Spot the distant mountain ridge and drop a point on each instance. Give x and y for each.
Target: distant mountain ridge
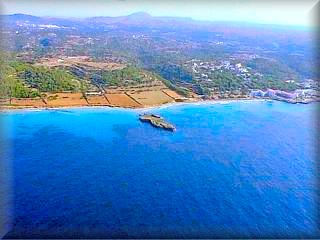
(143, 18)
(21, 16)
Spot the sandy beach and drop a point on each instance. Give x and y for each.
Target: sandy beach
(140, 108)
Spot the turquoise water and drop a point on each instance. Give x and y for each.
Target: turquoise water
(242, 169)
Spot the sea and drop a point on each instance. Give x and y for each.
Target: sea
(244, 169)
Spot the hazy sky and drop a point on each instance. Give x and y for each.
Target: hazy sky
(261, 11)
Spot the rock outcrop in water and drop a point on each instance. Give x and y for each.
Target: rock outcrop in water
(157, 121)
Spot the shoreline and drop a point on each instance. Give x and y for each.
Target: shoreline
(138, 109)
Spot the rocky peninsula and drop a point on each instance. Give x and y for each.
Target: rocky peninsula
(157, 121)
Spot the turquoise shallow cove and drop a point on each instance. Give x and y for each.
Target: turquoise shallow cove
(241, 169)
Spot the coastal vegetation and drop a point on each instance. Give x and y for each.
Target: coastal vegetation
(12, 86)
(272, 69)
(270, 82)
(23, 80)
(46, 79)
(181, 90)
(128, 76)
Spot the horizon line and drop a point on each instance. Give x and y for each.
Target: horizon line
(163, 16)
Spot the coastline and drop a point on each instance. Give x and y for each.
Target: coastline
(138, 109)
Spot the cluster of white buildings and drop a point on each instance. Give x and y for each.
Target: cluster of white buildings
(203, 68)
(40, 26)
(299, 93)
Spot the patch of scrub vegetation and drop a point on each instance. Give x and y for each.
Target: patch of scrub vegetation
(272, 69)
(180, 90)
(128, 76)
(46, 79)
(12, 86)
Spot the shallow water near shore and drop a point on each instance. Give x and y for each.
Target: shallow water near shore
(238, 169)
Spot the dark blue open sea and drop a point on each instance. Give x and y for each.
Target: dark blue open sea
(240, 169)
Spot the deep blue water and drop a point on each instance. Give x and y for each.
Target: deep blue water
(245, 169)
